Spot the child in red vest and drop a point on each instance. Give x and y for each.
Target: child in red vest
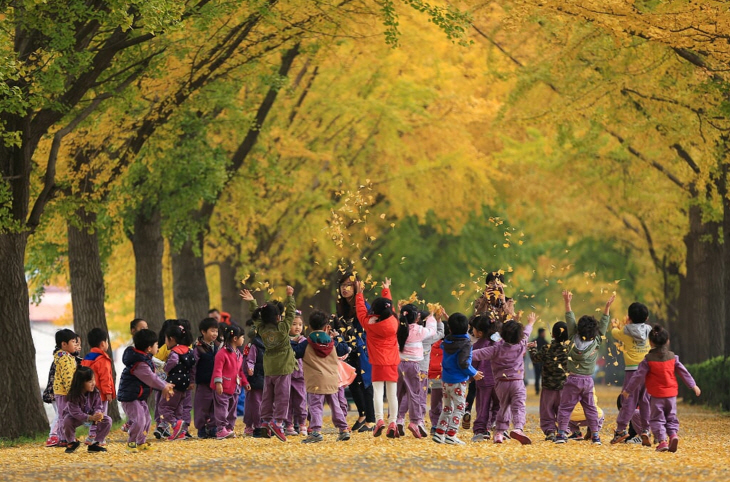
(101, 363)
(659, 372)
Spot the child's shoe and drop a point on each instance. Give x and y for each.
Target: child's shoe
(662, 447)
(248, 431)
(596, 438)
(72, 446)
(52, 441)
(132, 448)
(520, 436)
(212, 431)
(438, 437)
(634, 440)
(187, 434)
(413, 428)
(453, 440)
(673, 443)
(262, 432)
(223, 433)
(550, 437)
(365, 428)
(422, 430)
(202, 433)
(89, 441)
(378, 430)
(487, 435)
(645, 440)
(176, 431)
(95, 447)
(290, 430)
(392, 431)
(303, 430)
(506, 436)
(356, 426)
(466, 421)
(498, 438)
(344, 436)
(401, 430)
(125, 427)
(479, 437)
(619, 437)
(576, 436)
(147, 447)
(561, 437)
(313, 438)
(433, 430)
(62, 444)
(277, 430)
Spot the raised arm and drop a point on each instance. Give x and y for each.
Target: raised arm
(606, 318)
(291, 307)
(360, 308)
(486, 353)
(569, 315)
(385, 293)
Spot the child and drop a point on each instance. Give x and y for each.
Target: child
(84, 405)
(65, 363)
(48, 396)
(178, 366)
(425, 364)
(255, 371)
(227, 379)
(584, 338)
(554, 359)
(297, 416)
(457, 370)
(508, 368)
(321, 376)
(635, 346)
(101, 363)
(204, 352)
(487, 403)
(135, 383)
(578, 420)
(434, 378)
(410, 343)
(659, 372)
(159, 360)
(381, 327)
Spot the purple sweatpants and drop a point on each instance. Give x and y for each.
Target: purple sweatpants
(434, 413)
(487, 405)
(637, 397)
(512, 396)
(275, 402)
(170, 410)
(138, 414)
(663, 419)
(204, 411)
(224, 406)
(577, 388)
(187, 407)
(252, 409)
(297, 413)
(549, 406)
(102, 428)
(409, 392)
(158, 397)
(92, 429)
(60, 407)
(423, 398)
(342, 398)
(316, 410)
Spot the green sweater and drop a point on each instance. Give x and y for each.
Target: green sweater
(279, 356)
(582, 354)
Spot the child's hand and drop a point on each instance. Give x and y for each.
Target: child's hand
(532, 344)
(96, 417)
(386, 283)
(614, 323)
(531, 318)
(169, 391)
(289, 291)
(219, 388)
(697, 390)
(109, 398)
(625, 394)
(250, 372)
(567, 296)
(478, 376)
(246, 295)
(609, 303)
(248, 388)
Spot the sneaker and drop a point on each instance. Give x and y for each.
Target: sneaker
(645, 440)
(422, 430)
(132, 447)
(95, 447)
(187, 434)
(576, 436)
(673, 443)
(211, 432)
(561, 438)
(487, 435)
(378, 430)
(619, 437)
(596, 439)
(176, 431)
(303, 430)
(413, 428)
(550, 437)
(662, 447)
(506, 435)
(62, 444)
(498, 438)
(453, 440)
(162, 431)
(148, 447)
(248, 431)
(52, 441)
(125, 427)
(277, 430)
(312, 438)
(438, 437)
(478, 437)
(364, 429)
(223, 433)
(289, 430)
(392, 431)
(72, 446)
(89, 441)
(262, 432)
(634, 440)
(202, 433)
(520, 436)
(344, 436)
(357, 425)
(466, 421)
(401, 430)
(433, 430)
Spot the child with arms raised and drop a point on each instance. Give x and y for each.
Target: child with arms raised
(84, 405)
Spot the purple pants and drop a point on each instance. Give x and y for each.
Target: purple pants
(664, 419)
(171, 410)
(512, 396)
(187, 407)
(409, 392)
(434, 413)
(316, 406)
(92, 429)
(204, 411)
(102, 428)
(252, 409)
(224, 406)
(342, 398)
(637, 397)
(60, 407)
(275, 402)
(487, 405)
(138, 414)
(297, 413)
(549, 406)
(158, 397)
(423, 398)
(577, 388)
(454, 403)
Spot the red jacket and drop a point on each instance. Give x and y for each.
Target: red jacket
(101, 364)
(434, 365)
(382, 340)
(228, 370)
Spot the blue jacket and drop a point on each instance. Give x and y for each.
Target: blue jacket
(457, 359)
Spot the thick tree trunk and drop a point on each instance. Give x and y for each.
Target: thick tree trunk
(21, 407)
(87, 284)
(723, 188)
(149, 247)
(190, 288)
(231, 301)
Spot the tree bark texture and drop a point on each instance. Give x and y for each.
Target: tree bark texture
(231, 301)
(149, 247)
(190, 288)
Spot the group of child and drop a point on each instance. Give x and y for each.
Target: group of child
(288, 377)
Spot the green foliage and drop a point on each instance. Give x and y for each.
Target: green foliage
(713, 378)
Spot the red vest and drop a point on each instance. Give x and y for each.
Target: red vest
(661, 382)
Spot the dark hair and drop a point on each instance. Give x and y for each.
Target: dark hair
(230, 331)
(144, 339)
(268, 314)
(638, 312)
(587, 328)
(408, 315)
(206, 324)
(382, 308)
(279, 305)
(163, 331)
(540, 331)
(344, 308)
(318, 319)
(493, 276)
(64, 336)
(512, 332)
(560, 332)
(482, 323)
(96, 336)
(423, 316)
(81, 376)
(181, 335)
(133, 324)
(458, 324)
(213, 310)
(658, 335)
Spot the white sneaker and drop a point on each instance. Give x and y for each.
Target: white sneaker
(479, 437)
(438, 438)
(635, 440)
(453, 440)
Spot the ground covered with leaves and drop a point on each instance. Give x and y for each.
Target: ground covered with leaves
(703, 455)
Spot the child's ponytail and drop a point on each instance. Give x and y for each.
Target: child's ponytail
(268, 314)
(230, 332)
(658, 335)
(407, 316)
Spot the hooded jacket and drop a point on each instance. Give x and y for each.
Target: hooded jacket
(456, 365)
(65, 369)
(131, 387)
(255, 361)
(320, 365)
(382, 340)
(634, 340)
(100, 362)
(508, 361)
(279, 356)
(582, 354)
(436, 362)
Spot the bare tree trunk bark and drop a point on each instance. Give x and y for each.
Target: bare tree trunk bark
(190, 288)
(231, 301)
(149, 247)
(87, 284)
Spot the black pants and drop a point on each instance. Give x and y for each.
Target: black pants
(363, 398)
(538, 376)
(471, 394)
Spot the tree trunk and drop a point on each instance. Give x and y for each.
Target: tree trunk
(723, 189)
(21, 407)
(190, 288)
(231, 301)
(149, 247)
(87, 284)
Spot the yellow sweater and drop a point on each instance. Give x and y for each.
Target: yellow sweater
(579, 416)
(633, 348)
(65, 369)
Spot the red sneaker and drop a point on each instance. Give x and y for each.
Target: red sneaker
(673, 443)
(277, 430)
(520, 436)
(392, 431)
(378, 430)
(413, 428)
(52, 441)
(177, 431)
(663, 446)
